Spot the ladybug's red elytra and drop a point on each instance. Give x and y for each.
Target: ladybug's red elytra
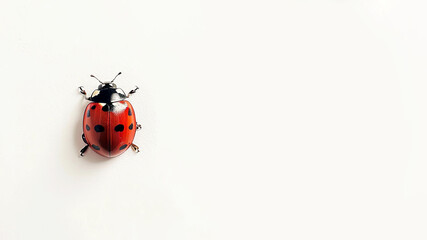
(109, 123)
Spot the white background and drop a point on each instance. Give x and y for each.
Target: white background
(301, 119)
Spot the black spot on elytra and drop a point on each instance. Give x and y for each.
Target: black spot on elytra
(130, 112)
(88, 113)
(123, 146)
(106, 108)
(96, 147)
(99, 128)
(87, 127)
(93, 107)
(119, 128)
(131, 126)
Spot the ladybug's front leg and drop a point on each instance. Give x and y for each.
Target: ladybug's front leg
(133, 91)
(82, 91)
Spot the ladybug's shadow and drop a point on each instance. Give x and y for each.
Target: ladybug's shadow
(89, 155)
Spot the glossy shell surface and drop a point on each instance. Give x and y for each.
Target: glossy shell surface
(109, 128)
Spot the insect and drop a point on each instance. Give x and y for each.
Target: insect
(109, 123)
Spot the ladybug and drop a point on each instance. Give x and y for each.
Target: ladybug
(109, 123)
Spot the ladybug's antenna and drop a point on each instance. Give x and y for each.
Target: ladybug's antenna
(116, 76)
(96, 78)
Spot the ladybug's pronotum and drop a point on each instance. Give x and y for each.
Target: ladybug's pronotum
(109, 123)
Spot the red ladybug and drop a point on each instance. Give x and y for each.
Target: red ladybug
(109, 123)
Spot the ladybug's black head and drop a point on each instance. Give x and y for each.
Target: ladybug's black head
(107, 92)
(107, 85)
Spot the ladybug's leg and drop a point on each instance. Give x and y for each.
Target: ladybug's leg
(133, 91)
(84, 150)
(138, 126)
(82, 91)
(85, 147)
(134, 148)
